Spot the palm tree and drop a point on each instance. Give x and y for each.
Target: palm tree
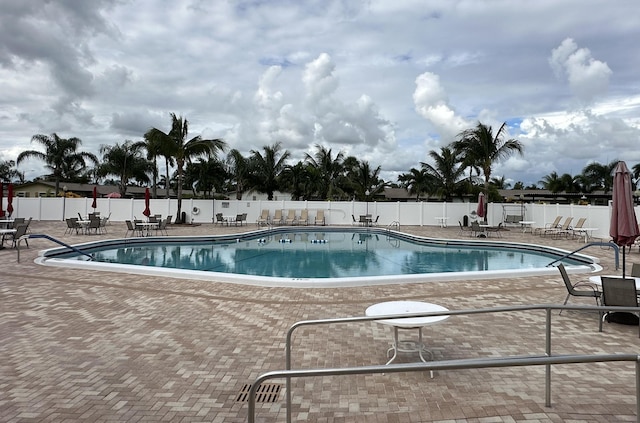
(266, 170)
(445, 173)
(205, 175)
(60, 155)
(154, 150)
(125, 161)
(482, 148)
(329, 170)
(596, 175)
(417, 182)
(552, 182)
(366, 181)
(8, 171)
(175, 145)
(297, 179)
(239, 169)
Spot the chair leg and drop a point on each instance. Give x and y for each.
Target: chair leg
(565, 302)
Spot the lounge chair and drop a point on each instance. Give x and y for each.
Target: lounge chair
(618, 292)
(564, 229)
(576, 231)
(635, 270)
(552, 225)
(320, 218)
(277, 217)
(304, 217)
(264, 218)
(592, 292)
(353, 220)
(291, 217)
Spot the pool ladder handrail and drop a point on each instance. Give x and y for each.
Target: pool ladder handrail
(395, 224)
(50, 238)
(600, 243)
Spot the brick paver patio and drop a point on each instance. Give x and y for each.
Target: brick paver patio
(100, 346)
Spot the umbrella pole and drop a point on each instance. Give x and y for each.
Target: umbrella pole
(624, 249)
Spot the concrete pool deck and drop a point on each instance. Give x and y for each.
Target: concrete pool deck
(100, 346)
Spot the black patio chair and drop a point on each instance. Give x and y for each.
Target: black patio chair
(592, 292)
(618, 292)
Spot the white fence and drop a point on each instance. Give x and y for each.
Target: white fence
(336, 212)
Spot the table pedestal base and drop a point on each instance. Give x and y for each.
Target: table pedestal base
(409, 347)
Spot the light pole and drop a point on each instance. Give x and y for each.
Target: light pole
(366, 193)
(64, 201)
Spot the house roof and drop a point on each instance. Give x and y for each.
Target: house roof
(87, 189)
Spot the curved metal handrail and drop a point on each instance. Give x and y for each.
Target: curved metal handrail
(591, 244)
(50, 238)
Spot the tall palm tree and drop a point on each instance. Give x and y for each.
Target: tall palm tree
(266, 170)
(239, 169)
(552, 182)
(205, 175)
(446, 172)
(8, 172)
(297, 179)
(367, 181)
(329, 169)
(176, 146)
(596, 175)
(417, 182)
(59, 154)
(125, 161)
(154, 150)
(482, 148)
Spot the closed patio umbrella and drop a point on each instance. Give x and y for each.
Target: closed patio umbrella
(10, 200)
(147, 197)
(624, 225)
(94, 204)
(1, 196)
(480, 210)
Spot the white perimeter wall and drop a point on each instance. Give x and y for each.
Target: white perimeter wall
(336, 212)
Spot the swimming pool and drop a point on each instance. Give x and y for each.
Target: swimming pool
(307, 257)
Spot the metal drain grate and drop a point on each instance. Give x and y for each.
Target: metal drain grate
(267, 392)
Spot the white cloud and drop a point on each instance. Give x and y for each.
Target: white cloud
(431, 102)
(588, 77)
(384, 81)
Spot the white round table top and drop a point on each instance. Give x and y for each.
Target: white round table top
(401, 307)
(597, 281)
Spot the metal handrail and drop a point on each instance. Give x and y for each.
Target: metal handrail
(600, 243)
(445, 365)
(50, 238)
(394, 224)
(547, 307)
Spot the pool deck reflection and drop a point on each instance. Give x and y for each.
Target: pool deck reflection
(99, 346)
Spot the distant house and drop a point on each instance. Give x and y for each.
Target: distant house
(72, 189)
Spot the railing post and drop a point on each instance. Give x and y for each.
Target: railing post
(547, 382)
(638, 390)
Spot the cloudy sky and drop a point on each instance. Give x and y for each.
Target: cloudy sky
(384, 80)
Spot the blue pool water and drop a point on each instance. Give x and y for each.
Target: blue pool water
(310, 254)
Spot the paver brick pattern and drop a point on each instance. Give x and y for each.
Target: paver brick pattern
(77, 346)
